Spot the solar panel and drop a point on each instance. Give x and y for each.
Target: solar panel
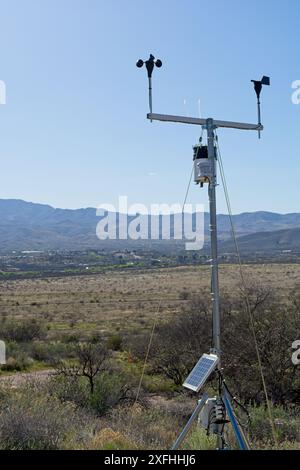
(201, 372)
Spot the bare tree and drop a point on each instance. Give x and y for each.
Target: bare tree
(91, 360)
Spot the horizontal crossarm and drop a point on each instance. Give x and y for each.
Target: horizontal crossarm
(202, 122)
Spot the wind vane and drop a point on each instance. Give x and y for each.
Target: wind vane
(258, 87)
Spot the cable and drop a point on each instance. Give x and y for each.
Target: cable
(190, 180)
(187, 190)
(246, 297)
(236, 401)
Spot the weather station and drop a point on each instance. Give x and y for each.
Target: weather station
(214, 414)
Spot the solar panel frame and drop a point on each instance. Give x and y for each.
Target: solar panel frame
(200, 373)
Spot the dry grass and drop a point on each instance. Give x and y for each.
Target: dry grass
(125, 301)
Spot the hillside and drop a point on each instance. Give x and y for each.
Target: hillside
(30, 226)
(266, 242)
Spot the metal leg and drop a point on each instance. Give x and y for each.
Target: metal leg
(186, 428)
(240, 437)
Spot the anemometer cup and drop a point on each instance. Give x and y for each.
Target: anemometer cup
(150, 63)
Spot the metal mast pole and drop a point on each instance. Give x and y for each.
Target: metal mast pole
(214, 253)
(213, 239)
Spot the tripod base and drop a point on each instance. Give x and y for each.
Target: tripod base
(238, 431)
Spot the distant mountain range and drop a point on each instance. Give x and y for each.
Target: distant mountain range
(30, 226)
(282, 241)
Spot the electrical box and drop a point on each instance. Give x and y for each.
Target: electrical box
(203, 167)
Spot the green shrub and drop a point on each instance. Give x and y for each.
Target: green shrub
(114, 342)
(31, 419)
(109, 390)
(107, 439)
(198, 439)
(70, 337)
(70, 389)
(22, 330)
(17, 358)
(287, 424)
(49, 352)
(148, 428)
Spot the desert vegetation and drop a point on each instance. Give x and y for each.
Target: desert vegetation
(76, 349)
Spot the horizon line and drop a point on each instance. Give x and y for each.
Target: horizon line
(124, 213)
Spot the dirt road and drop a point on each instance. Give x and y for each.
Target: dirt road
(19, 378)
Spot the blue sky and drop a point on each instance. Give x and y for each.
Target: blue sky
(73, 131)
